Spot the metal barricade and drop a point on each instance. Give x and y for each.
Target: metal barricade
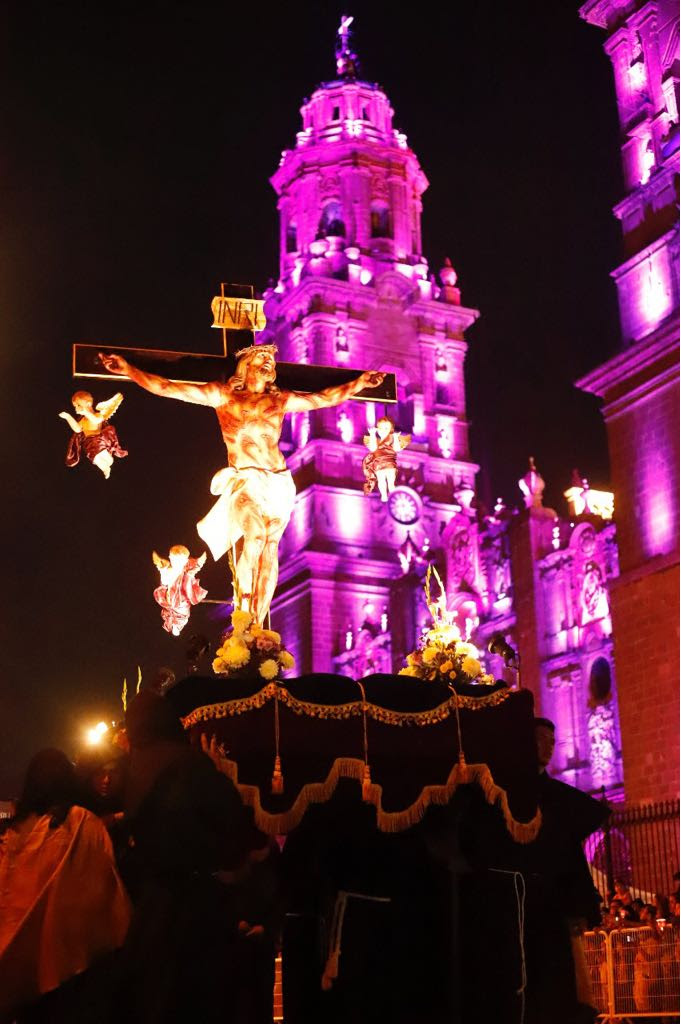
(634, 972)
(596, 955)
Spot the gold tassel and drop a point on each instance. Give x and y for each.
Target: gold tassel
(330, 971)
(277, 777)
(366, 782)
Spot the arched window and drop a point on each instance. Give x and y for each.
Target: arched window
(600, 682)
(331, 221)
(380, 220)
(291, 237)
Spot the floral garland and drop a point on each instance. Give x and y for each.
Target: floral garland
(246, 647)
(443, 653)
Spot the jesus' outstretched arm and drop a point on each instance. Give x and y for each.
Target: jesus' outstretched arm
(198, 394)
(296, 401)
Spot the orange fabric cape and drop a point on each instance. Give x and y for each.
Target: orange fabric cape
(62, 904)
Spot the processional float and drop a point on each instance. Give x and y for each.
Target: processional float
(443, 681)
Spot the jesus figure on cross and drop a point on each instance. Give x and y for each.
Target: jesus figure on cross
(256, 490)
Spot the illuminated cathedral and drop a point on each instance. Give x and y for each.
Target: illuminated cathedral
(356, 290)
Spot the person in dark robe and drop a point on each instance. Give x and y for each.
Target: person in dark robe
(562, 900)
(192, 838)
(101, 772)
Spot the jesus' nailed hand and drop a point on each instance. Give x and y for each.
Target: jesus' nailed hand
(257, 491)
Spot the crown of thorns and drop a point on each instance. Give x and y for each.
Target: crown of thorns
(272, 349)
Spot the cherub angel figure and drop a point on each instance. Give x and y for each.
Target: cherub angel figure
(179, 588)
(93, 435)
(380, 465)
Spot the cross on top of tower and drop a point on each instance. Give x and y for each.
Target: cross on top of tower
(347, 65)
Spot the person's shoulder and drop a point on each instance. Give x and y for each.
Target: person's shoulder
(584, 812)
(79, 815)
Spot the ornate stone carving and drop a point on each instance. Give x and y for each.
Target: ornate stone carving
(462, 559)
(379, 187)
(603, 745)
(329, 185)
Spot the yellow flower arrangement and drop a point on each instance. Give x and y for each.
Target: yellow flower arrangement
(443, 653)
(269, 669)
(241, 620)
(471, 666)
(248, 649)
(286, 659)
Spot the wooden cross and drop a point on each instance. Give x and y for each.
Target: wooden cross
(240, 317)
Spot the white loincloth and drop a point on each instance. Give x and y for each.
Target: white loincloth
(274, 495)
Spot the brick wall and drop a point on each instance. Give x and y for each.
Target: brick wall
(645, 612)
(644, 454)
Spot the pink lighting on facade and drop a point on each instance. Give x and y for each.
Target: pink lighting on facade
(657, 507)
(655, 291)
(637, 75)
(444, 441)
(354, 128)
(647, 159)
(345, 428)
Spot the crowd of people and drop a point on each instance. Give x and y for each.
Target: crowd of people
(135, 886)
(639, 966)
(622, 910)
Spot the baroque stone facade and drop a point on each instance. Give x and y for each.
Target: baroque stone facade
(355, 290)
(640, 390)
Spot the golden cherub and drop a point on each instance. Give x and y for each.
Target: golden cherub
(179, 588)
(380, 465)
(93, 435)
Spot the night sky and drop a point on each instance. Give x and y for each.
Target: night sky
(138, 141)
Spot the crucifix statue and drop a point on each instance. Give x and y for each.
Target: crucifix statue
(255, 490)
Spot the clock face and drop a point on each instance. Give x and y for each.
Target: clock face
(404, 507)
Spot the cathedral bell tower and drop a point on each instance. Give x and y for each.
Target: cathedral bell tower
(355, 290)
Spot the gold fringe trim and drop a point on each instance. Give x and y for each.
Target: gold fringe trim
(229, 707)
(312, 710)
(226, 709)
(387, 821)
(493, 700)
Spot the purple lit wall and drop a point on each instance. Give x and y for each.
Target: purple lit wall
(640, 392)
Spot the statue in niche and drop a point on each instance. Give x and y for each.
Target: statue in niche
(462, 557)
(179, 589)
(341, 342)
(380, 465)
(93, 435)
(255, 491)
(603, 745)
(500, 570)
(593, 595)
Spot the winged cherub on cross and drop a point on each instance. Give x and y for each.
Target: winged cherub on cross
(380, 464)
(93, 435)
(255, 490)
